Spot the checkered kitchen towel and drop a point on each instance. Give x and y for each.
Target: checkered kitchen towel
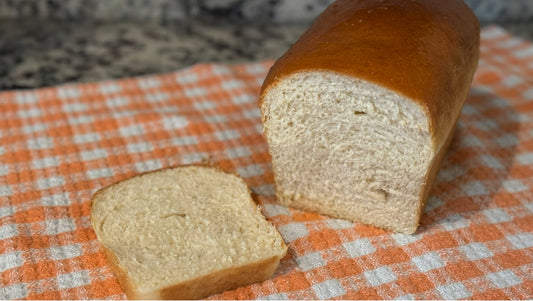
(59, 145)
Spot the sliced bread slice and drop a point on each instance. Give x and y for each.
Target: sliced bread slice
(184, 233)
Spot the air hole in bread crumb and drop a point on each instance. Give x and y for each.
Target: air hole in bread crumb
(290, 123)
(174, 214)
(359, 112)
(382, 194)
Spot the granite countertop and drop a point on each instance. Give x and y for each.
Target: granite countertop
(38, 53)
(45, 53)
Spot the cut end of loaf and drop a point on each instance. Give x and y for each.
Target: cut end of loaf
(348, 148)
(184, 233)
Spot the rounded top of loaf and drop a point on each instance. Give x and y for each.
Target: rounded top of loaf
(426, 50)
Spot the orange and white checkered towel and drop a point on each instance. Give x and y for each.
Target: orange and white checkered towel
(59, 145)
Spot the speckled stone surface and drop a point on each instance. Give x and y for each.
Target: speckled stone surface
(488, 11)
(37, 53)
(45, 43)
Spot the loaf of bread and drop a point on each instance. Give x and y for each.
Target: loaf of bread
(184, 233)
(359, 112)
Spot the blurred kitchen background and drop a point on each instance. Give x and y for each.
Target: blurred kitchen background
(51, 42)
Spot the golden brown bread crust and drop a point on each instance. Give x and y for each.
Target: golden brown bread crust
(426, 50)
(221, 281)
(201, 287)
(119, 272)
(431, 174)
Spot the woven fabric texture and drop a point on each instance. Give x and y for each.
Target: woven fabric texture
(59, 145)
